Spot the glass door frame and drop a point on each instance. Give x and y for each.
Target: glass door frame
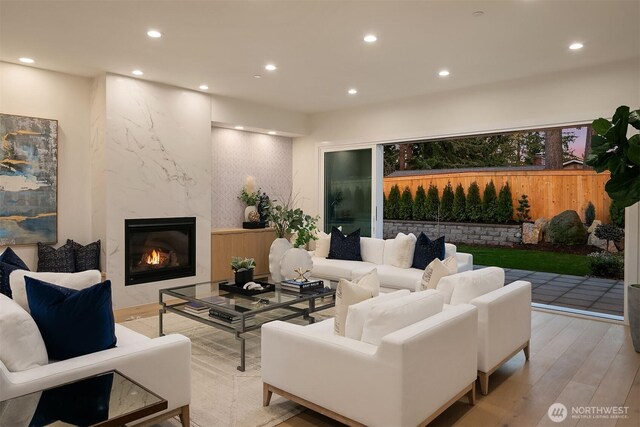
(377, 152)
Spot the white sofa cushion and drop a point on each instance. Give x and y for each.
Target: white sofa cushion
(450, 250)
(77, 281)
(372, 250)
(391, 316)
(436, 270)
(349, 293)
(322, 244)
(399, 278)
(399, 251)
(336, 269)
(468, 285)
(21, 345)
(357, 313)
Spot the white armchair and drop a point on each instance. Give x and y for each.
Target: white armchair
(504, 315)
(408, 380)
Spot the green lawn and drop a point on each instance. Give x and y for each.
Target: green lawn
(552, 262)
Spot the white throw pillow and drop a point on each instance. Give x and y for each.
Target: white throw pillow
(322, 244)
(391, 316)
(352, 292)
(436, 270)
(77, 281)
(21, 345)
(472, 284)
(357, 313)
(402, 250)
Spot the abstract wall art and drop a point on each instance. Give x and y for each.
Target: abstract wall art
(28, 180)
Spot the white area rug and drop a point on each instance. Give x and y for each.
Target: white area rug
(220, 394)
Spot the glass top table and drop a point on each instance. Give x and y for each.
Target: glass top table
(237, 313)
(107, 399)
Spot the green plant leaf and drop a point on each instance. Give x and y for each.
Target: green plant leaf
(601, 126)
(624, 187)
(634, 119)
(633, 153)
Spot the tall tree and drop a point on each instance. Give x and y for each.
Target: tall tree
(553, 149)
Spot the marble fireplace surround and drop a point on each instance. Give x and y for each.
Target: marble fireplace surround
(150, 157)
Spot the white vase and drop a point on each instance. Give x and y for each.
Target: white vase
(277, 250)
(248, 210)
(294, 259)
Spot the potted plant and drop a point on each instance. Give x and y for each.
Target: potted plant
(288, 221)
(611, 150)
(250, 196)
(243, 269)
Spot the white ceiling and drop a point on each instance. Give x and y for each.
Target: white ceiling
(317, 45)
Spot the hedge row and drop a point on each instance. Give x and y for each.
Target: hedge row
(452, 205)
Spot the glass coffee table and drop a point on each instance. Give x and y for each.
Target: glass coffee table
(237, 313)
(107, 399)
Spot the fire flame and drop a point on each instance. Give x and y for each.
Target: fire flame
(153, 258)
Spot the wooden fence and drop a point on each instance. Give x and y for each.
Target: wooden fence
(550, 191)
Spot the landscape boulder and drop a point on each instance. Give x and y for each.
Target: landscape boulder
(530, 234)
(594, 224)
(541, 226)
(601, 243)
(567, 228)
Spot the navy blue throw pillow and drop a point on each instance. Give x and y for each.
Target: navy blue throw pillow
(72, 323)
(345, 247)
(61, 260)
(9, 261)
(427, 250)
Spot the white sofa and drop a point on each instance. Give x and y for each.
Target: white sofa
(410, 378)
(377, 253)
(504, 315)
(163, 365)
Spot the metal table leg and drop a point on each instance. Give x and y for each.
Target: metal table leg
(160, 317)
(241, 339)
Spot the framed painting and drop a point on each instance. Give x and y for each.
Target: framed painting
(28, 180)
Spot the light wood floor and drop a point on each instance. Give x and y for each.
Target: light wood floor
(574, 361)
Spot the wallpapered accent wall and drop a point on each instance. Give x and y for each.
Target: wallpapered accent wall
(237, 154)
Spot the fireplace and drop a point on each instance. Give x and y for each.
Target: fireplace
(159, 249)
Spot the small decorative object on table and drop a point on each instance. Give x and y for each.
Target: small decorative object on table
(301, 272)
(250, 197)
(243, 269)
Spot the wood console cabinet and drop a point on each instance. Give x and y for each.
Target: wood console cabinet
(229, 242)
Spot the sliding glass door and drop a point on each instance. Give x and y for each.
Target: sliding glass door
(349, 194)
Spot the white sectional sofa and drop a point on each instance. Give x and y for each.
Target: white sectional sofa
(377, 253)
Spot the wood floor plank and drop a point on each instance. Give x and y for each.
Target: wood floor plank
(598, 362)
(633, 405)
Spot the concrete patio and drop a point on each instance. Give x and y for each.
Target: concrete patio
(576, 292)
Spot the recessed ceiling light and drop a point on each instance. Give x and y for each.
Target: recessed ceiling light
(370, 38)
(576, 46)
(352, 91)
(239, 127)
(27, 60)
(444, 73)
(203, 87)
(477, 13)
(154, 34)
(257, 76)
(272, 132)
(137, 72)
(270, 67)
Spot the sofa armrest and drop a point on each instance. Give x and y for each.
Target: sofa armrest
(465, 261)
(163, 365)
(504, 322)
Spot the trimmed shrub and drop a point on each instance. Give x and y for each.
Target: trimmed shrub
(489, 203)
(589, 214)
(419, 204)
(385, 211)
(609, 232)
(459, 204)
(393, 203)
(432, 204)
(605, 264)
(446, 204)
(474, 203)
(523, 209)
(504, 205)
(406, 204)
(617, 214)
